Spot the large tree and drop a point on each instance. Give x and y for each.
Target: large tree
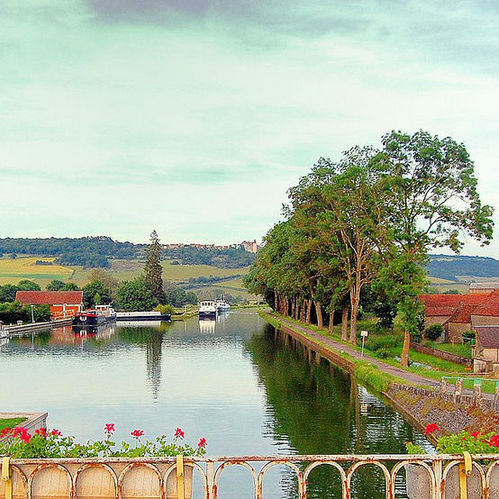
(153, 270)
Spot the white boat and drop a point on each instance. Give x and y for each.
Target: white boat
(207, 309)
(222, 305)
(142, 316)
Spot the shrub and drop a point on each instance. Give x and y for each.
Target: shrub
(434, 332)
(165, 309)
(469, 337)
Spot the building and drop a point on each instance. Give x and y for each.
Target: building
(486, 354)
(250, 246)
(483, 287)
(460, 313)
(62, 303)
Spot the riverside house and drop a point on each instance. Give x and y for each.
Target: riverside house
(62, 303)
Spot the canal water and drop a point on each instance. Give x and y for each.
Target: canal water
(233, 381)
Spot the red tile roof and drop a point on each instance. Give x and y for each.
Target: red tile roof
(49, 297)
(460, 308)
(488, 336)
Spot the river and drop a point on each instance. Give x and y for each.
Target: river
(232, 381)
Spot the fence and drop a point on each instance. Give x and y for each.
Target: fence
(427, 476)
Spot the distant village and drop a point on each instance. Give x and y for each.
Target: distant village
(249, 246)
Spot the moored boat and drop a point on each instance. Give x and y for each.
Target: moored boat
(143, 316)
(94, 317)
(207, 309)
(222, 305)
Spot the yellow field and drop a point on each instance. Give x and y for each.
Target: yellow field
(14, 270)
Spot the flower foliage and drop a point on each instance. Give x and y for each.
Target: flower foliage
(21, 444)
(474, 443)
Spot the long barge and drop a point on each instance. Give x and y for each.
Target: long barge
(143, 316)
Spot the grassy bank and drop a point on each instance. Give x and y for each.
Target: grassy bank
(11, 422)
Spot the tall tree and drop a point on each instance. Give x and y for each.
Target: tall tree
(153, 270)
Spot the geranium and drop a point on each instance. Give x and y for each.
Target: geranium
(431, 428)
(179, 433)
(475, 434)
(137, 433)
(19, 430)
(55, 433)
(41, 431)
(5, 431)
(25, 437)
(109, 428)
(494, 441)
(202, 442)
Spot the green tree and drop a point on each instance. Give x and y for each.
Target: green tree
(153, 269)
(135, 295)
(96, 293)
(71, 286)
(8, 293)
(191, 298)
(27, 285)
(56, 285)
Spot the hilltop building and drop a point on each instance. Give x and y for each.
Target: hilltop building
(250, 246)
(62, 303)
(483, 287)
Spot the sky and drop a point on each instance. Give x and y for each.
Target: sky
(194, 117)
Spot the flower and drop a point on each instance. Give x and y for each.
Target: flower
(137, 433)
(41, 431)
(5, 431)
(55, 433)
(19, 431)
(475, 434)
(431, 428)
(202, 442)
(25, 437)
(494, 441)
(179, 433)
(109, 428)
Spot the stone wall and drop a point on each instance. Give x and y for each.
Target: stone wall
(457, 359)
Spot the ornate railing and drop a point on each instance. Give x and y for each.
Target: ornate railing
(427, 476)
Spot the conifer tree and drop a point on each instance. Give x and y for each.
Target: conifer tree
(153, 269)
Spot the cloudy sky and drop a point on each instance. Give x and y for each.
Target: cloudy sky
(194, 116)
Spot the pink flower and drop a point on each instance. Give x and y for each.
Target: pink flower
(137, 433)
(55, 433)
(109, 428)
(202, 442)
(431, 428)
(179, 433)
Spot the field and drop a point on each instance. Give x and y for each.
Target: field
(14, 270)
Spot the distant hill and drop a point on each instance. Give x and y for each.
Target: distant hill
(96, 251)
(455, 267)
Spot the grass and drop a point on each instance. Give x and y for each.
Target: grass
(11, 422)
(457, 349)
(12, 270)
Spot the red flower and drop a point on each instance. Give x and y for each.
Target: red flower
(109, 428)
(55, 433)
(137, 433)
(494, 441)
(202, 442)
(431, 428)
(18, 431)
(475, 434)
(25, 437)
(5, 431)
(179, 433)
(41, 431)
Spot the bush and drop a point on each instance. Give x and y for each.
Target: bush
(383, 353)
(165, 309)
(469, 337)
(434, 332)
(386, 342)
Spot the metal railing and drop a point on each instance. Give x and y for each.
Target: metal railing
(117, 478)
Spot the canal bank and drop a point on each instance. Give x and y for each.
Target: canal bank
(420, 399)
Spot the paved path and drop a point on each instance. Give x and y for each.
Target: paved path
(383, 366)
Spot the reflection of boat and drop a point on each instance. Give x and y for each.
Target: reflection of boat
(99, 315)
(207, 326)
(103, 331)
(207, 309)
(154, 315)
(139, 323)
(222, 305)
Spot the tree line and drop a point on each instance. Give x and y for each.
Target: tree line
(368, 222)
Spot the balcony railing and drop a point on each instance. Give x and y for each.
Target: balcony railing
(431, 476)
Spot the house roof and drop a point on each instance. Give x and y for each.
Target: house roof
(462, 314)
(439, 311)
(484, 285)
(490, 307)
(49, 297)
(488, 336)
(452, 300)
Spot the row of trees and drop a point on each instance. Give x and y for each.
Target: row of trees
(369, 220)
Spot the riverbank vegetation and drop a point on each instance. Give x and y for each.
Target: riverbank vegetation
(357, 233)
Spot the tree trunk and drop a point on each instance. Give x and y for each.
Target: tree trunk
(276, 301)
(353, 320)
(404, 360)
(331, 321)
(318, 312)
(344, 323)
(309, 311)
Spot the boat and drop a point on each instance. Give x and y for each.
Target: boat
(154, 315)
(94, 317)
(207, 309)
(222, 305)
